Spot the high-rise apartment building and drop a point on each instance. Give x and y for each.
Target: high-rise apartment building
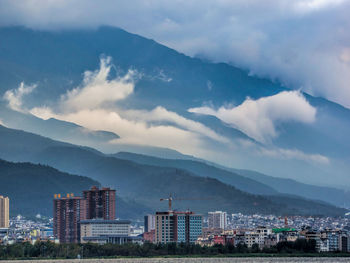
(100, 203)
(4, 212)
(68, 211)
(178, 227)
(217, 219)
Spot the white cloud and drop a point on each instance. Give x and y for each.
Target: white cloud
(163, 128)
(299, 42)
(283, 153)
(14, 97)
(258, 118)
(98, 90)
(294, 154)
(160, 114)
(94, 105)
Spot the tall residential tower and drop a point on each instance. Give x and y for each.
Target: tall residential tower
(4, 212)
(68, 211)
(100, 203)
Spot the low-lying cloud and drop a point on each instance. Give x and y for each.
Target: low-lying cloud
(303, 43)
(14, 97)
(94, 105)
(98, 90)
(258, 118)
(294, 154)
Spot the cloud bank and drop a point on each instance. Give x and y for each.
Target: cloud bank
(303, 43)
(15, 97)
(258, 118)
(94, 105)
(294, 154)
(97, 90)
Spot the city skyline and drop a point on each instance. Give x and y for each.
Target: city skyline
(174, 128)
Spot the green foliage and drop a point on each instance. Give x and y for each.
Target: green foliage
(90, 250)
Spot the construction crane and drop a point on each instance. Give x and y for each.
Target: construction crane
(170, 199)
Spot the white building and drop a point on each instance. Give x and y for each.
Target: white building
(104, 231)
(257, 236)
(150, 223)
(217, 219)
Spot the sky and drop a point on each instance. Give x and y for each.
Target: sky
(304, 44)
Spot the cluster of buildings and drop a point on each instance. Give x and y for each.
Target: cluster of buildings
(330, 234)
(90, 218)
(238, 220)
(328, 240)
(26, 230)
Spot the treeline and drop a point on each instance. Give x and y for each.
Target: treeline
(90, 250)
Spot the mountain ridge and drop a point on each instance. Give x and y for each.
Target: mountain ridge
(145, 184)
(23, 57)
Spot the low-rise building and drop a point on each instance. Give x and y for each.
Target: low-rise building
(105, 231)
(257, 236)
(150, 236)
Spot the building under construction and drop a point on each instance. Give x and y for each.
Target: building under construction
(176, 226)
(180, 227)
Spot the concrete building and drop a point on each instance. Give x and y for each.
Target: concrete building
(4, 212)
(334, 240)
(68, 211)
(257, 236)
(178, 227)
(344, 242)
(150, 236)
(150, 223)
(105, 231)
(100, 203)
(217, 219)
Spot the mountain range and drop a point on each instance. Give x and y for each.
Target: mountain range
(132, 114)
(314, 151)
(143, 185)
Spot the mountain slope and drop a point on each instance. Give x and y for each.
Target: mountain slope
(177, 83)
(31, 187)
(203, 169)
(55, 129)
(335, 196)
(145, 184)
(273, 185)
